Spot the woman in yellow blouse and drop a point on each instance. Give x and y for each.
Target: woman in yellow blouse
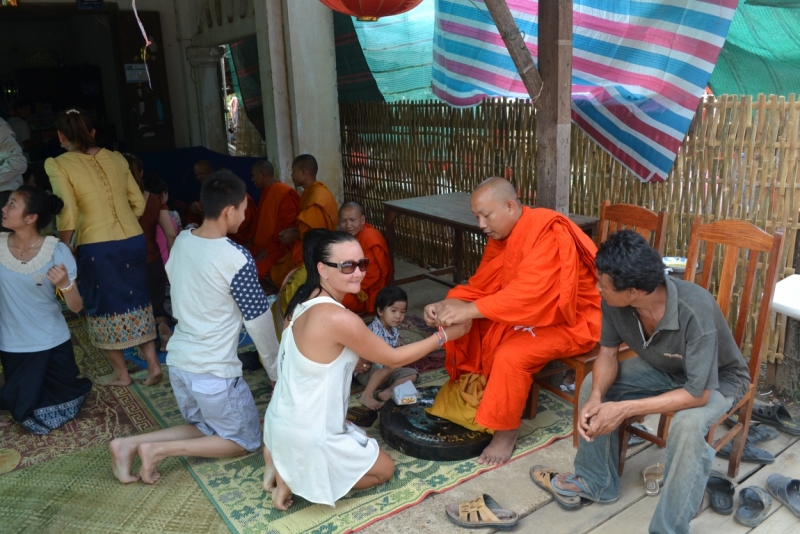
(101, 204)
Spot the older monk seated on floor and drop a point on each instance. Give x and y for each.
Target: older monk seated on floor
(533, 299)
(318, 209)
(379, 274)
(277, 211)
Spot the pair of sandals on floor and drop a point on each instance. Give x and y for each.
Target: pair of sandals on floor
(484, 511)
(754, 502)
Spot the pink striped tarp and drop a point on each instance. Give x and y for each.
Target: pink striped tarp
(639, 68)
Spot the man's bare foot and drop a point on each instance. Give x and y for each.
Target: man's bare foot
(154, 377)
(385, 395)
(5, 422)
(122, 453)
(500, 449)
(281, 495)
(370, 402)
(270, 480)
(561, 483)
(148, 454)
(112, 379)
(164, 333)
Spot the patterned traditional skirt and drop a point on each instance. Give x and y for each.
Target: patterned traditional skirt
(116, 295)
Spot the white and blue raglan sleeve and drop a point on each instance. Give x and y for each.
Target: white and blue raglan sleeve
(252, 302)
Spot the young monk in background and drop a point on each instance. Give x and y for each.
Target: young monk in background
(353, 221)
(278, 208)
(318, 209)
(533, 299)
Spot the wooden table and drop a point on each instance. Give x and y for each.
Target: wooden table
(451, 210)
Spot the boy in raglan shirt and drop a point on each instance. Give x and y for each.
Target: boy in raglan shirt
(214, 288)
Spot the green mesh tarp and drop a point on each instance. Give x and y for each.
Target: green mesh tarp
(762, 52)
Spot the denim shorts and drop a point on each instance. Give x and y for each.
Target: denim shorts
(217, 406)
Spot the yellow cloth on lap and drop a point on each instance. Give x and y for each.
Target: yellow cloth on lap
(458, 401)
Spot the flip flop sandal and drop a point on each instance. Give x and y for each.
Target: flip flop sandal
(721, 491)
(583, 494)
(777, 416)
(757, 432)
(786, 490)
(543, 477)
(481, 512)
(653, 479)
(754, 506)
(751, 454)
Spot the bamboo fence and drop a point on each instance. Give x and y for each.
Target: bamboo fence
(739, 160)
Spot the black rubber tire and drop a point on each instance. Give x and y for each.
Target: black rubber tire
(410, 430)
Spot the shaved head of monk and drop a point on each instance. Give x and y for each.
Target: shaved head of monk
(496, 206)
(201, 170)
(263, 173)
(351, 218)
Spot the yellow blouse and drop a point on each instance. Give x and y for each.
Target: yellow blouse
(101, 199)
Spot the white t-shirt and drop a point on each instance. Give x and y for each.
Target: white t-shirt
(214, 289)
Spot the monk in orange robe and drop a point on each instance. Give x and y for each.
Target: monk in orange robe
(244, 235)
(380, 270)
(533, 299)
(278, 208)
(318, 209)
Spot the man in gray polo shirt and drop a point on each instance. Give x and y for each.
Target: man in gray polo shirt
(688, 364)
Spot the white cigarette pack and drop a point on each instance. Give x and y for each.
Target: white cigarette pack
(405, 393)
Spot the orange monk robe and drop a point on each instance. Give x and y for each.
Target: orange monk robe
(379, 273)
(318, 209)
(244, 235)
(278, 209)
(537, 291)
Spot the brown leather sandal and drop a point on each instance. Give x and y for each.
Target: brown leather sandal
(481, 512)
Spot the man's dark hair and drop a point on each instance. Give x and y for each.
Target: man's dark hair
(388, 296)
(630, 261)
(307, 162)
(220, 190)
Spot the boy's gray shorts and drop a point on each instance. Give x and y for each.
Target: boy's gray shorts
(218, 406)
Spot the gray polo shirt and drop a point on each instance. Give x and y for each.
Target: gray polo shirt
(692, 342)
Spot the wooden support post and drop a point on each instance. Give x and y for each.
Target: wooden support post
(550, 89)
(517, 49)
(554, 116)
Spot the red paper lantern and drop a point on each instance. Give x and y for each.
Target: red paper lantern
(371, 10)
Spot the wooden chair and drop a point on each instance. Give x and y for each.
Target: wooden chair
(733, 235)
(612, 218)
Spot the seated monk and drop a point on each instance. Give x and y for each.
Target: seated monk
(318, 209)
(277, 210)
(379, 273)
(533, 299)
(244, 235)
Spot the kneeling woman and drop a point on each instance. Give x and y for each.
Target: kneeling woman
(310, 449)
(42, 389)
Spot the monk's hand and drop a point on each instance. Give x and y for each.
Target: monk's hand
(457, 330)
(289, 235)
(454, 311)
(430, 314)
(606, 418)
(362, 297)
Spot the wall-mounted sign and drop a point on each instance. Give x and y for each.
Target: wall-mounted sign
(135, 73)
(90, 4)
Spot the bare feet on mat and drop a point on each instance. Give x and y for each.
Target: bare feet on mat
(370, 402)
(122, 453)
(281, 495)
(164, 333)
(500, 449)
(153, 377)
(270, 482)
(385, 395)
(5, 421)
(150, 459)
(112, 379)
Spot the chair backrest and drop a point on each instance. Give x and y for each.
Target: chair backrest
(734, 236)
(629, 216)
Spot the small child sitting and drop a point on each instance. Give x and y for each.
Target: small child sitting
(391, 305)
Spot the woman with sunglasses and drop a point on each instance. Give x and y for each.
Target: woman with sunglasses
(310, 448)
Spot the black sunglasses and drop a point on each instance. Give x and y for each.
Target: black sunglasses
(349, 266)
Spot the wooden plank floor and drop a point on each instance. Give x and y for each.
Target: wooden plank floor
(633, 510)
